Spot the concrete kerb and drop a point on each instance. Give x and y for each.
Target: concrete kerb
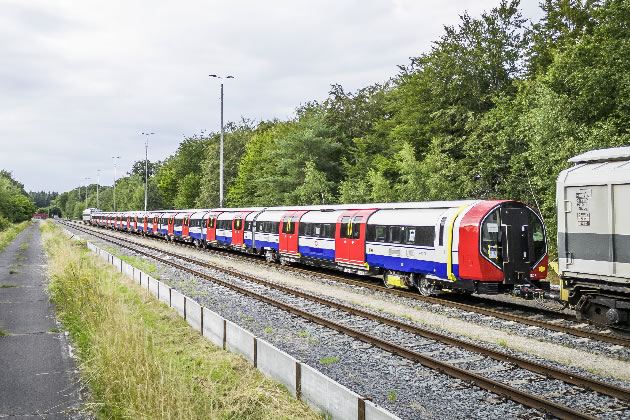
(319, 391)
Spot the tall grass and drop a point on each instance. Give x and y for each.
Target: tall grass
(140, 360)
(8, 235)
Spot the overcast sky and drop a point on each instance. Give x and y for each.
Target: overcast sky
(79, 80)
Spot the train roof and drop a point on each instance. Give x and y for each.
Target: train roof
(603, 155)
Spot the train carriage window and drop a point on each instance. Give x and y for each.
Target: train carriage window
(178, 222)
(442, 224)
(538, 235)
(289, 224)
(491, 237)
(425, 236)
(395, 234)
(356, 227)
(410, 235)
(248, 226)
(346, 229)
(304, 229)
(238, 224)
(317, 230)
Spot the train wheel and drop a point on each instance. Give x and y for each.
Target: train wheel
(386, 274)
(425, 287)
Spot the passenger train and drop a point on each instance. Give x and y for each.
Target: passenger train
(475, 246)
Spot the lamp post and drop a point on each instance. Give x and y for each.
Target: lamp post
(221, 148)
(115, 160)
(86, 188)
(146, 172)
(98, 180)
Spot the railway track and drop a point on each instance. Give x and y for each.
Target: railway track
(308, 312)
(521, 319)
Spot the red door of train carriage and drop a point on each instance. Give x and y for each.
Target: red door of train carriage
(350, 236)
(211, 227)
(155, 224)
(186, 226)
(238, 228)
(171, 223)
(145, 223)
(289, 224)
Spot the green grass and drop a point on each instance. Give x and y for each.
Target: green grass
(140, 263)
(502, 343)
(9, 234)
(329, 360)
(141, 360)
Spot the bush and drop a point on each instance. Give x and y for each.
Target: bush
(4, 223)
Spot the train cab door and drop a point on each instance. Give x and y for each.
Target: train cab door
(146, 223)
(171, 225)
(350, 236)
(155, 224)
(289, 228)
(516, 245)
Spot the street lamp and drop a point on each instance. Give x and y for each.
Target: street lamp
(146, 172)
(86, 188)
(98, 180)
(115, 159)
(221, 152)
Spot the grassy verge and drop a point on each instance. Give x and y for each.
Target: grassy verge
(139, 359)
(140, 263)
(8, 235)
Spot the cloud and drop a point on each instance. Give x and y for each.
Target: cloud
(80, 80)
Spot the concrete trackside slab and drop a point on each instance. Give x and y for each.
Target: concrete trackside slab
(276, 364)
(239, 340)
(193, 314)
(163, 293)
(374, 412)
(177, 301)
(153, 286)
(322, 393)
(115, 261)
(136, 276)
(213, 327)
(143, 281)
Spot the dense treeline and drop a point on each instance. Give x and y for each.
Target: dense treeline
(15, 205)
(493, 110)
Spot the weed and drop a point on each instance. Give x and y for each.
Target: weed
(303, 334)
(311, 340)
(248, 319)
(54, 330)
(407, 317)
(329, 360)
(268, 330)
(15, 272)
(502, 343)
(25, 245)
(392, 396)
(6, 286)
(3, 333)
(16, 265)
(142, 358)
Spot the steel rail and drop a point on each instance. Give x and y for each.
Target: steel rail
(592, 335)
(499, 388)
(547, 371)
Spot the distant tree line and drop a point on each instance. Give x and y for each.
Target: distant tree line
(493, 110)
(15, 205)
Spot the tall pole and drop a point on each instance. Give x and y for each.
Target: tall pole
(115, 159)
(98, 180)
(146, 172)
(86, 188)
(221, 154)
(221, 146)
